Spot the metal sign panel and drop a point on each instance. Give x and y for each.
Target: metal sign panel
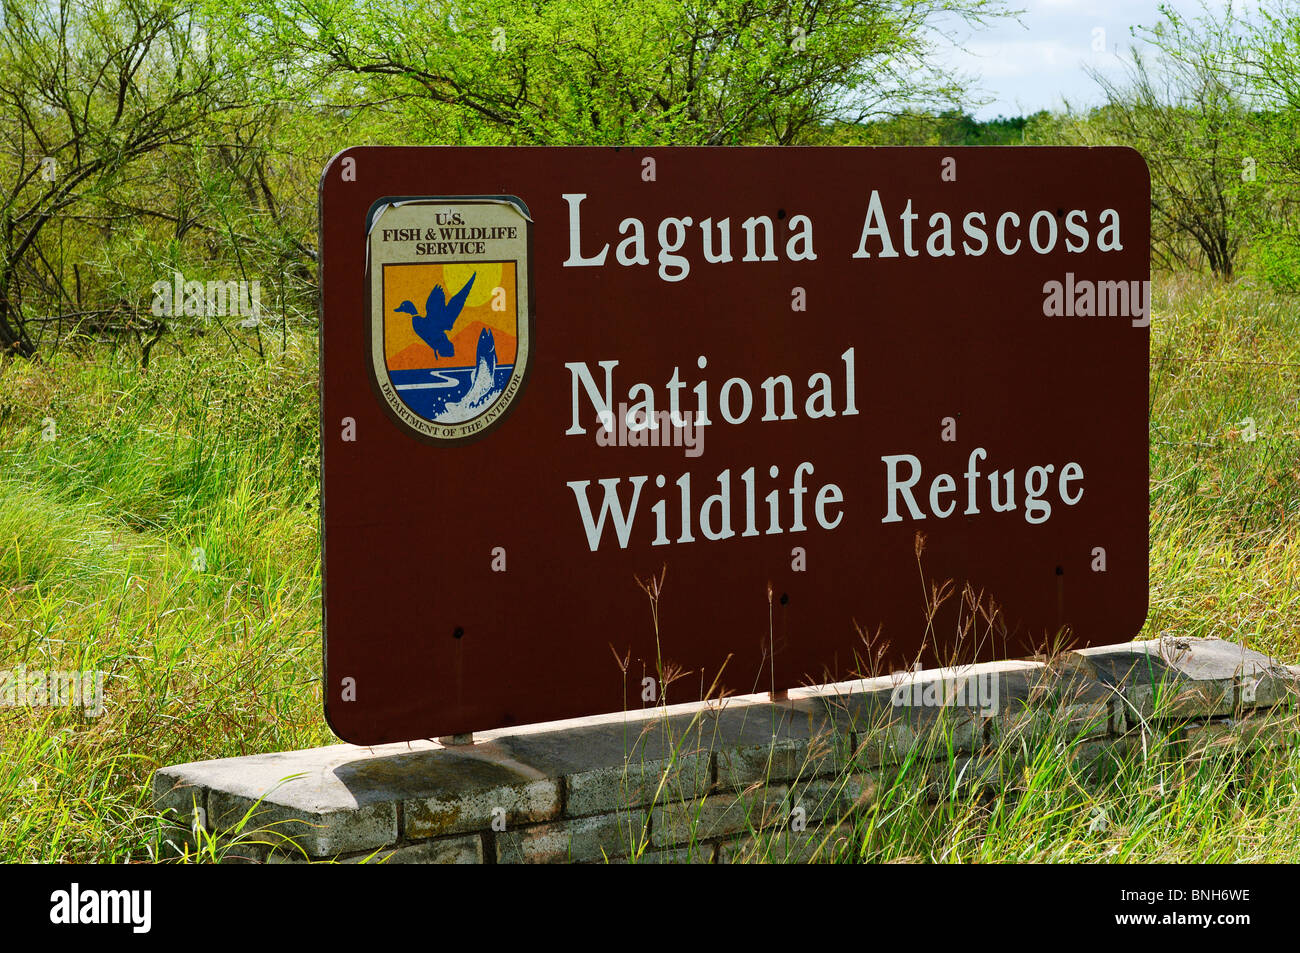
(802, 387)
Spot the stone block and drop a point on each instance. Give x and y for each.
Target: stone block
(1186, 677)
(319, 832)
(719, 815)
(577, 840)
(511, 801)
(465, 849)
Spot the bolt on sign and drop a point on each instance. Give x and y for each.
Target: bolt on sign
(605, 428)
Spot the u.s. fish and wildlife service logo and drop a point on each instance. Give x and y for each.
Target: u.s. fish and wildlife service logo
(450, 311)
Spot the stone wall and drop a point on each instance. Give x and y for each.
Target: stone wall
(723, 781)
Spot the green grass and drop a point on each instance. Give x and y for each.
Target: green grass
(220, 656)
(1051, 797)
(99, 532)
(1225, 510)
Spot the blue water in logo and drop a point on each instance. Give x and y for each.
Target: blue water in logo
(428, 392)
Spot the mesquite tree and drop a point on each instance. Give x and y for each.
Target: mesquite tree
(90, 93)
(619, 72)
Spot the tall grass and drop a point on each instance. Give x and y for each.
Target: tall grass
(1051, 793)
(1225, 508)
(167, 535)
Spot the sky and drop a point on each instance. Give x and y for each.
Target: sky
(1038, 62)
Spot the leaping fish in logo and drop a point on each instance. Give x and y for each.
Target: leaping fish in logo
(439, 315)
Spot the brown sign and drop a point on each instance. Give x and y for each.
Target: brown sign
(754, 374)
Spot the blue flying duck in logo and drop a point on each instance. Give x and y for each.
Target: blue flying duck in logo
(439, 315)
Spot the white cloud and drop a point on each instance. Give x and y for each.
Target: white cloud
(1039, 61)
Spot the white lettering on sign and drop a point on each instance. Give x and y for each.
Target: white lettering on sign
(615, 502)
(678, 241)
(778, 397)
(719, 516)
(1001, 494)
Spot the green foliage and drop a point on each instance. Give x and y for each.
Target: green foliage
(919, 128)
(1214, 107)
(1275, 258)
(92, 95)
(636, 72)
